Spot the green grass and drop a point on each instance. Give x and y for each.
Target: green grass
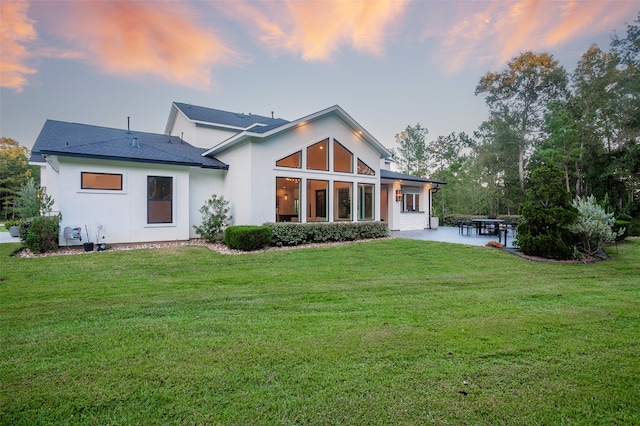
(385, 332)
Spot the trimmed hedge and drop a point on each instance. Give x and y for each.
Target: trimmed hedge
(293, 234)
(247, 238)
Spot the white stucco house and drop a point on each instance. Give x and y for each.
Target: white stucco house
(143, 187)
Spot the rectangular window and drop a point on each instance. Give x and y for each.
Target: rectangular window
(288, 199)
(411, 202)
(366, 209)
(317, 201)
(103, 181)
(342, 200)
(159, 199)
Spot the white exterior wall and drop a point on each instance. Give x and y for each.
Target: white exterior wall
(408, 221)
(203, 184)
(251, 180)
(122, 213)
(198, 135)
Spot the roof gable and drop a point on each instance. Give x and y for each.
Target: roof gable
(271, 130)
(82, 140)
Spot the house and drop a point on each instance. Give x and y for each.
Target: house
(142, 187)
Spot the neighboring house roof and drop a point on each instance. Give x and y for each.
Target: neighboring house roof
(388, 174)
(82, 140)
(268, 130)
(217, 118)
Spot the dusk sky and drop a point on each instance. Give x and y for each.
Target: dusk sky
(389, 64)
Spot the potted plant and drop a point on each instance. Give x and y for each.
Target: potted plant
(13, 226)
(88, 246)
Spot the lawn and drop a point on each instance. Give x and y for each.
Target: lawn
(384, 332)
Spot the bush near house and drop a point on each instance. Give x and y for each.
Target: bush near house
(292, 234)
(247, 238)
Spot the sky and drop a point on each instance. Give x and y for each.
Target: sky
(388, 63)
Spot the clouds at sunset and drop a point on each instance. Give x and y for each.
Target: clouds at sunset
(142, 38)
(316, 30)
(15, 32)
(183, 42)
(494, 32)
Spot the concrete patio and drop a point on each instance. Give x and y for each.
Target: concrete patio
(451, 234)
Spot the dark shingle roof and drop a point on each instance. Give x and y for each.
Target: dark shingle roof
(226, 118)
(82, 140)
(388, 174)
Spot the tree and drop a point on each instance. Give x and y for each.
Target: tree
(14, 172)
(413, 155)
(519, 96)
(546, 216)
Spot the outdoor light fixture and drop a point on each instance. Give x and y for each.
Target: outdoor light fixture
(398, 195)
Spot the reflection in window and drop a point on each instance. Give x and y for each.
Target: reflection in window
(293, 160)
(159, 199)
(287, 199)
(366, 209)
(318, 203)
(411, 202)
(342, 200)
(363, 169)
(342, 158)
(105, 181)
(318, 156)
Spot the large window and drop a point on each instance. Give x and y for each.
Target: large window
(317, 200)
(293, 160)
(411, 202)
(342, 200)
(342, 158)
(318, 156)
(288, 199)
(103, 181)
(159, 199)
(366, 209)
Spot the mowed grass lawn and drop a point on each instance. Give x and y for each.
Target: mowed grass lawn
(383, 332)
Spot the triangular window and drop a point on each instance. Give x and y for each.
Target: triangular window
(294, 160)
(363, 169)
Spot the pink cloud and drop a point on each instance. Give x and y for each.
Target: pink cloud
(144, 38)
(316, 30)
(496, 31)
(16, 32)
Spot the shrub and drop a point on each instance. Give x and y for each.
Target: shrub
(247, 238)
(215, 218)
(24, 225)
(32, 200)
(292, 234)
(13, 222)
(593, 226)
(42, 234)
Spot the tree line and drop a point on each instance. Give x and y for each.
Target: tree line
(586, 123)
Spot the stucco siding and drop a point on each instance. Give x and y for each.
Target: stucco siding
(123, 214)
(203, 184)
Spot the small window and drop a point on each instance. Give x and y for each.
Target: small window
(342, 158)
(159, 199)
(103, 181)
(411, 202)
(363, 169)
(318, 156)
(293, 160)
